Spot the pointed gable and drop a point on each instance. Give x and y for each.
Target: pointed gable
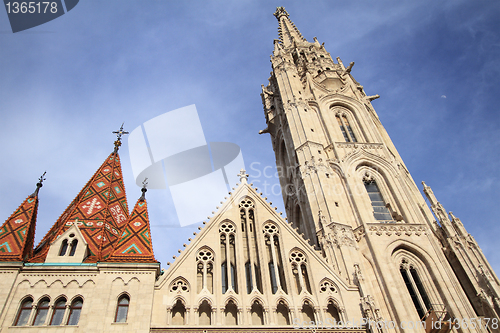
(264, 253)
(17, 234)
(135, 243)
(99, 210)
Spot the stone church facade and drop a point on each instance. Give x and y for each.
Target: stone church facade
(360, 246)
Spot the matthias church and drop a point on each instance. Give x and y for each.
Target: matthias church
(359, 251)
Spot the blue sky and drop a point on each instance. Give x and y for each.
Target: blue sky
(66, 85)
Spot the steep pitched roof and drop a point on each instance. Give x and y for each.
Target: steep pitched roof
(100, 211)
(135, 243)
(17, 234)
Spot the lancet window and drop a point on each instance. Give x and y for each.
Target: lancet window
(121, 310)
(257, 314)
(345, 128)
(275, 264)
(250, 246)
(58, 312)
(283, 313)
(77, 304)
(415, 288)
(380, 211)
(24, 312)
(307, 312)
(300, 273)
(204, 263)
(41, 312)
(228, 255)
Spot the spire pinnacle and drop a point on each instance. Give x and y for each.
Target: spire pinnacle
(280, 11)
(144, 189)
(118, 141)
(288, 32)
(38, 185)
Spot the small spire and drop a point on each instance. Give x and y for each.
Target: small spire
(38, 185)
(243, 176)
(280, 11)
(118, 141)
(144, 189)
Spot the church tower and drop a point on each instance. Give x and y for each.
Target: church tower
(348, 192)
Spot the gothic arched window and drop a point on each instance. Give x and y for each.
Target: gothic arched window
(415, 288)
(205, 313)
(41, 312)
(64, 248)
(204, 263)
(273, 249)
(178, 313)
(257, 313)
(332, 313)
(228, 254)
(250, 246)
(58, 312)
(72, 250)
(121, 309)
(283, 313)
(299, 270)
(307, 312)
(231, 313)
(24, 312)
(380, 211)
(345, 128)
(76, 309)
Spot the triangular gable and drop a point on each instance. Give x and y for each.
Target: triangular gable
(135, 244)
(75, 250)
(17, 234)
(209, 238)
(100, 211)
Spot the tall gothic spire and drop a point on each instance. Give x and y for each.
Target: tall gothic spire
(288, 32)
(99, 210)
(17, 234)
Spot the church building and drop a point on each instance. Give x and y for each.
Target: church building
(359, 251)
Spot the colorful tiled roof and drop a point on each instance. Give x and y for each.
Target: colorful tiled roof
(99, 210)
(17, 234)
(135, 243)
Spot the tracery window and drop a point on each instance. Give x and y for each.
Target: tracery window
(204, 262)
(277, 276)
(228, 254)
(327, 287)
(415, 288)
(299, 270)
(179, 286)
(58, 312)
(121, 309)
(250, 246)
(24, 312)
(41, 312)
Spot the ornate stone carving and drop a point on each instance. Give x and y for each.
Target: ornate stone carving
(342, 235)
(359, 232)
(398, 230)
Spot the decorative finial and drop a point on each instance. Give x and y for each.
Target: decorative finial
(243, 176)
(280, 11)
(144, 189)
(118, 141)
(38, 185)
